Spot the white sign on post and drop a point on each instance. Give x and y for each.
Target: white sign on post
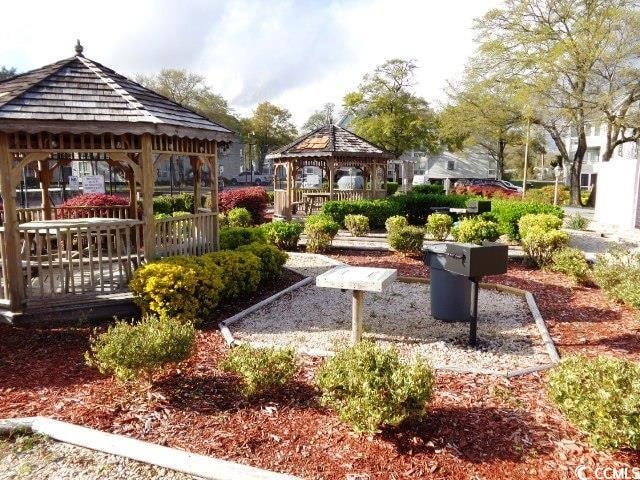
(74, 183)
(93, 184)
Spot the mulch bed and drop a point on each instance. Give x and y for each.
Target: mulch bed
(478, 426)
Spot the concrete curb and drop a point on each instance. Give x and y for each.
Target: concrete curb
(170, 458)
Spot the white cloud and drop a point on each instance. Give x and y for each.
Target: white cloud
(299, 54)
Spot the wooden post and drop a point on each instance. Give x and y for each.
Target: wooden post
(197, 196)
(13, 275)
(133, 199)
(290, 191)
(357, 312)
(45, 180)
(148, 186)
(372, 175)
(331, 178)
(214, 197)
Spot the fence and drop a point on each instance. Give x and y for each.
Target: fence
(186, 235)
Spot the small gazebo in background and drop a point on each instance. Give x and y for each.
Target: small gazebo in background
(79, 110)
(325, 155)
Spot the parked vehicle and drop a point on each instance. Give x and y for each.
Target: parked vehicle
(351, 182)
(251, 178)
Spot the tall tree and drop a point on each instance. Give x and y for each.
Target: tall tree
(548, 51)
(6, 73)
(387, 112)
(190, 90)
(268, 127)
(320, 118)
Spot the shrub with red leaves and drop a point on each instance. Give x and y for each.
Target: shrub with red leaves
(95, 200)
(488, 191)
(254, 199)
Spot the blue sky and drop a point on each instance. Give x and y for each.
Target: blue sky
(296, 54)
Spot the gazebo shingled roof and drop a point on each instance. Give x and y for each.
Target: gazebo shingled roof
(329, 141)
(73, 94)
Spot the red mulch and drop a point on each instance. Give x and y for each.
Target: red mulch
(478, 426)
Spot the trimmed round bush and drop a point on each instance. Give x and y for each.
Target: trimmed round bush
(540, 237)
(370, 388)
(392, 188)
(509, 212)
(601, 397)
(141, 350)
(234, 237)
(397, 221)
(358, 225)
(408, 240)
(439, 225)
(544, 221)
(261, 369)
(168, 204)
(240, 272)
(284, 235)
(436, 189)
(475, 230)
(573, 263)
(320, 230)
(239, 217)
(254, 199)
(271, 257)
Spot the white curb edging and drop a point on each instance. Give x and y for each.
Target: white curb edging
(170, 458)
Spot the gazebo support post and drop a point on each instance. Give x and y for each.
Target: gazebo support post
(45, 181)
(290, 190)
(195, 168)
(13, 275)
(148, 185)
(133, 198)
(372, 175)
(332, 173)
(214, 172)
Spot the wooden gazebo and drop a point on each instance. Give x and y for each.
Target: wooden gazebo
(78, 110)
(330, 149)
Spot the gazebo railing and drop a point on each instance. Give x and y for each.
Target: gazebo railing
(186, 235)
(99, 257)
(36, 214)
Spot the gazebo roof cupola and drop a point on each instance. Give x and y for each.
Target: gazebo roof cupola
(79, 95)
(329, 141)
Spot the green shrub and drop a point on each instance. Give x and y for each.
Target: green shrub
(577, 222)
(417, 206)
(475, 230)
(397, 221)
(408, 240)
(261, 369)
(509, 212)
(439, 225)
(284, 235)
(369, 387)
(240, 272)
(377, 211)
(392, 188)
(358, 225)
(239, 217)
(540, 237)
(320, 230)
(271, 257)
(573, 263)
(234, 237)
(161, 216)
(223, 222)
(545, 194)
(271, 195)
(139, 351)
(434, 188)
(173, 203)
(601, 397)
(618, 273)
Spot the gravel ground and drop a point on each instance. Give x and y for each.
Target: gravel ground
(319, 319)
(40, 458)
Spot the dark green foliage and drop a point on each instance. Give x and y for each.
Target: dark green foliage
(408, 240)
(435, 189)
(392, 188)
(173, 203)
(284, 235)
(234, 237)
(509, 212)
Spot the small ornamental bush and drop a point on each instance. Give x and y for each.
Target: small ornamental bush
(173, 203)
(618, 273)
(397, 221)
(261, 369)
(573, 263)
(509, 212)
(601, 397)
(240, 272)
(434, 188)
(271, 257)
(223, 221)
(239, 217)
(377, 211)
(408, 240)
(254, 199)
(370, 388)
(439, 225)
(95, 200)
(545, 194)
(320, 230)
(358, 225)
(234, 237)
(284, 235)
(475, 230)
(577, 222)
(540, 238)
(271, 195)
(392, 188)
(139, 351)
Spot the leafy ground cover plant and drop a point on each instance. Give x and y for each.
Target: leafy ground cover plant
(573, 263)
(370, 388)
(261, 369)
(618, 273)
(577, 222)
(140, 350)
(601, 397)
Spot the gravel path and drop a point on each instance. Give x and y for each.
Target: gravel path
(319, 319)
(39, 458)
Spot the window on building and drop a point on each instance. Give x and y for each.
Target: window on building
(592, 154)
(451, 165)
(584, 180)
(596, 129)
(491, 172)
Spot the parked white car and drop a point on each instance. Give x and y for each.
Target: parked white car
(251, 178)
(351, 182)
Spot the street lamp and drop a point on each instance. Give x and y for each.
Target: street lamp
(557, 171)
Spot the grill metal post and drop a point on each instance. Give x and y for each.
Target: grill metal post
(473, 324)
